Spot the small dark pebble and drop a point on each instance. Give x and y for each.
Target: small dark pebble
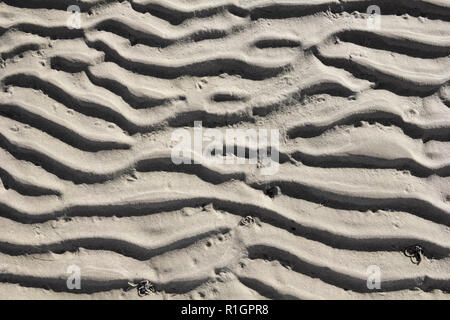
(247, 221)
(273, 191)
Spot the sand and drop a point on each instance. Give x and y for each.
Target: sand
(88, 182)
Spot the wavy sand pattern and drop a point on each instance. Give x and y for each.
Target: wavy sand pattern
(87, 179)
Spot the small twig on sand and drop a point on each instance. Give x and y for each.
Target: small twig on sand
(415, 253)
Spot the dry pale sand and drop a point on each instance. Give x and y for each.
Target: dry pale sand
(86, 118)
